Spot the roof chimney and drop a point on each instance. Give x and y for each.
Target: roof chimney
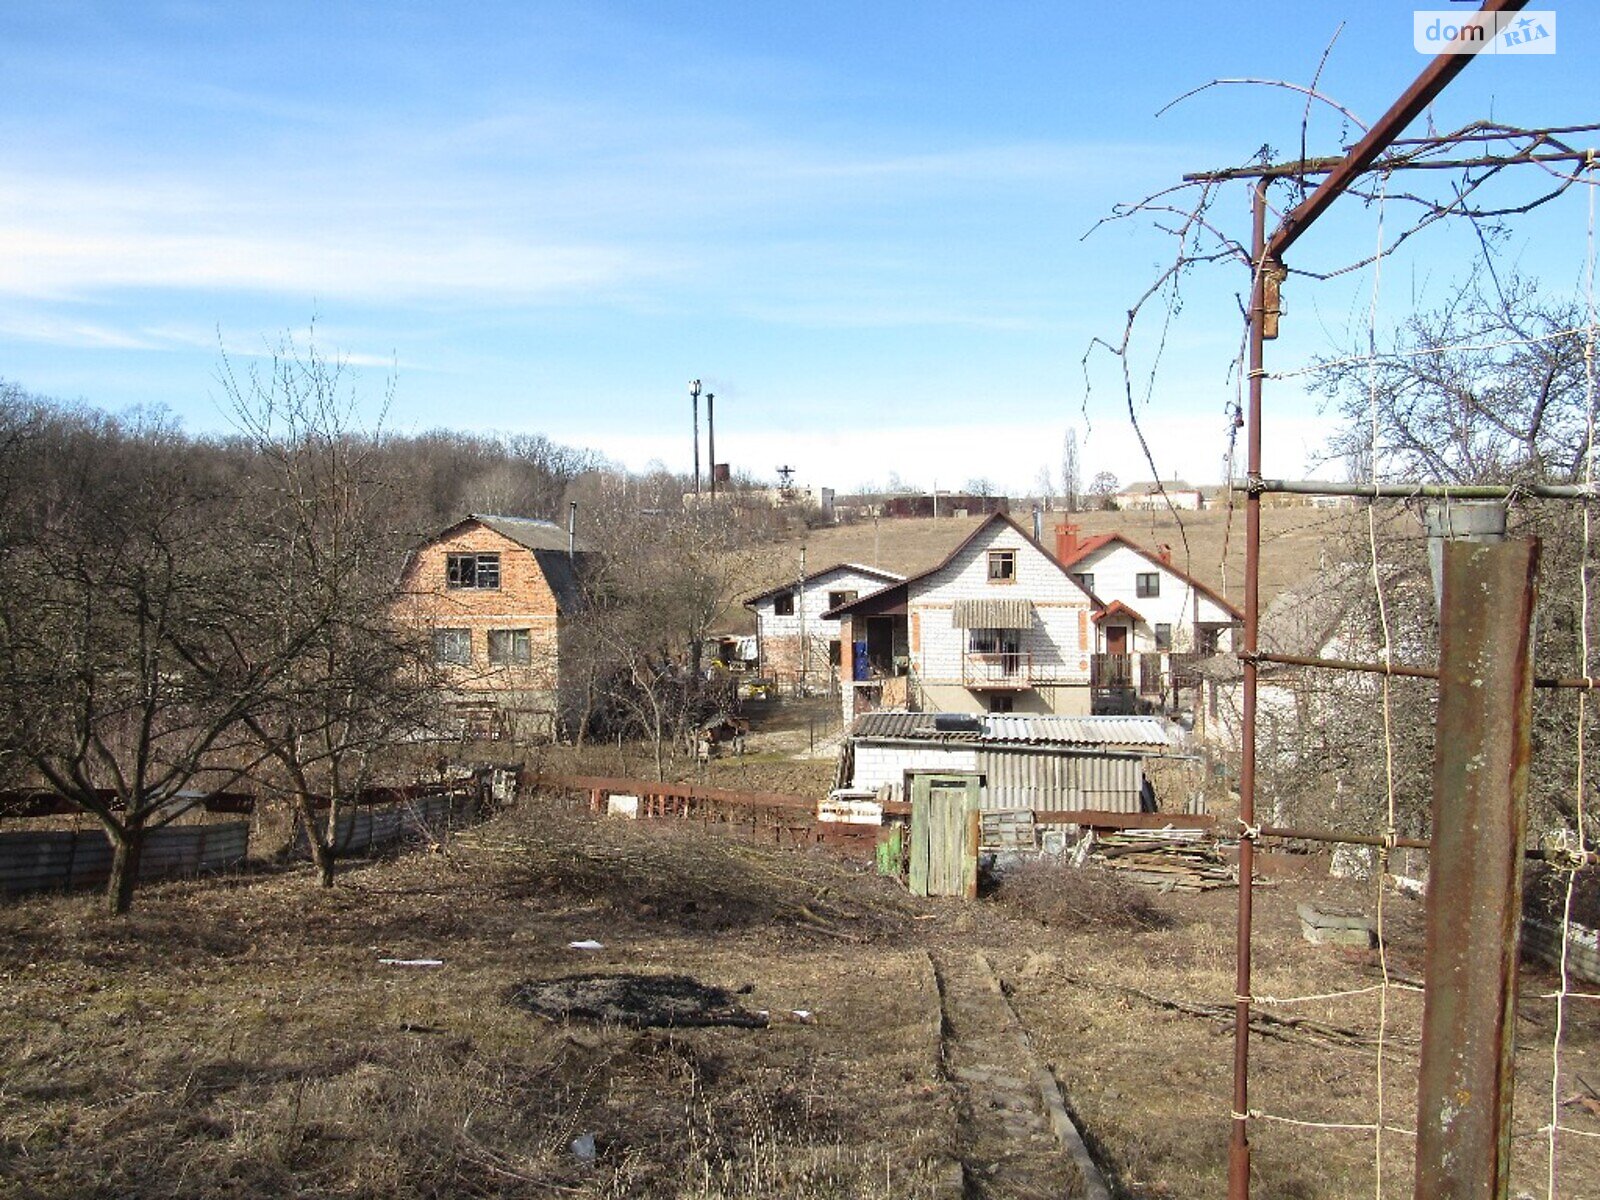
(572, 529)
(1165, 551)
(1066, 541)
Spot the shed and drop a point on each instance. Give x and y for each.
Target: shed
(1041, 762)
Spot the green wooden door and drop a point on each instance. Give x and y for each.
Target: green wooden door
(944, 835)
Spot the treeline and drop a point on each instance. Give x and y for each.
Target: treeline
(182, 612)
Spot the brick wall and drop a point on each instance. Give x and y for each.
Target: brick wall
(522, 601)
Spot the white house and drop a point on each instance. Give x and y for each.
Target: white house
(1150, 609)
(998, 626)
(794, 641)
(1148, 602)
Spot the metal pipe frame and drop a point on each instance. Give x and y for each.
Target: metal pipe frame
(1413, 491)
(1265, 258)
(1577, 683)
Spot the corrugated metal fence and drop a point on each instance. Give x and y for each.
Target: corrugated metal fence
(365, 828)
(52, 859)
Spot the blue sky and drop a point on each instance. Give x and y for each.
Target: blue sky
(860, 224)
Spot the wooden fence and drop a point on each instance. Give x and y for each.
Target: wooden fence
(786, 817)
(58, 859)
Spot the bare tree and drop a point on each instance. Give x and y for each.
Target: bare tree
(1103, 488)
(1071, 471)
(322, 563)
(660, 581)
(112, 583)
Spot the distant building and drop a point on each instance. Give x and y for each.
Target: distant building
(1160, 494)
(943, 504)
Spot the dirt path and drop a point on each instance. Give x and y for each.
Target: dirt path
(1015, 1139)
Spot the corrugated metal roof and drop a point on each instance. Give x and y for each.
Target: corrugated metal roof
(1022, 729)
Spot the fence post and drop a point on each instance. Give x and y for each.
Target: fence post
(1480, 794)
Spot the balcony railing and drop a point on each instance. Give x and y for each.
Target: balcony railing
(1151, 673)
(1000, 669)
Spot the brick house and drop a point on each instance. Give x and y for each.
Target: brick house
(794, 641)
(998, 626)
(497, 595)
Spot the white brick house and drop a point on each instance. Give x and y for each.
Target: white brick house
(794, 641)
(1155, 621)
(998, 626)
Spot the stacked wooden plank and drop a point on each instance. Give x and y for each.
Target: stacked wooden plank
(1171, 860)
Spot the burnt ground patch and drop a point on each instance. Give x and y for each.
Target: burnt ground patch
(641, 1001)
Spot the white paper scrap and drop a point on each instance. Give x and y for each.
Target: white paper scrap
(411, 962)
(586, 945)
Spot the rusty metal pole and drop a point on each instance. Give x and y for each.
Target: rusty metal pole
(1480, 800)
(1239, 1142)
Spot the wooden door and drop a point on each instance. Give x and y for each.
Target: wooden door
(944, 835)
(1116, 639)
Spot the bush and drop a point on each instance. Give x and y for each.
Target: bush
(1064, 897)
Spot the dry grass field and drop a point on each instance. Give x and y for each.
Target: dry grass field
(243, 1037)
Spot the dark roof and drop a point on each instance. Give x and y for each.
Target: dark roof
(865, 602)
(562, 574)
(525, 531)
(886, 576)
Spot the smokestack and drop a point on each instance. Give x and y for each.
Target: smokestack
(1066, 541)
(572, 530)
(1165, 552)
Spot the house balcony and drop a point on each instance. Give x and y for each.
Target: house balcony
(1141, 682)
(1002, 671)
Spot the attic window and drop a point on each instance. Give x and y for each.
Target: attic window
(835, 599)
(1002, 566)
(1147, 583)
(1085, 580)
(473, 571)
(783, 604)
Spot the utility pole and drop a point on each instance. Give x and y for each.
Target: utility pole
(800, 614)
(711, 439)
(694, 401)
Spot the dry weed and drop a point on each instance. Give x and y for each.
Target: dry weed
(1084, 898)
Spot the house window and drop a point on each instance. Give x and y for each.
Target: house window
(983, 641)
(835, 599)
(452, 646)
(1000, 704)
(1085, 580)
(783, 604)
(1163, 637)
(473, 571)
(1147, 583)
(1002, 566)
(510, 647)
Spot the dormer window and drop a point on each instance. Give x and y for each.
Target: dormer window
(473, 571)
(1002, 566)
